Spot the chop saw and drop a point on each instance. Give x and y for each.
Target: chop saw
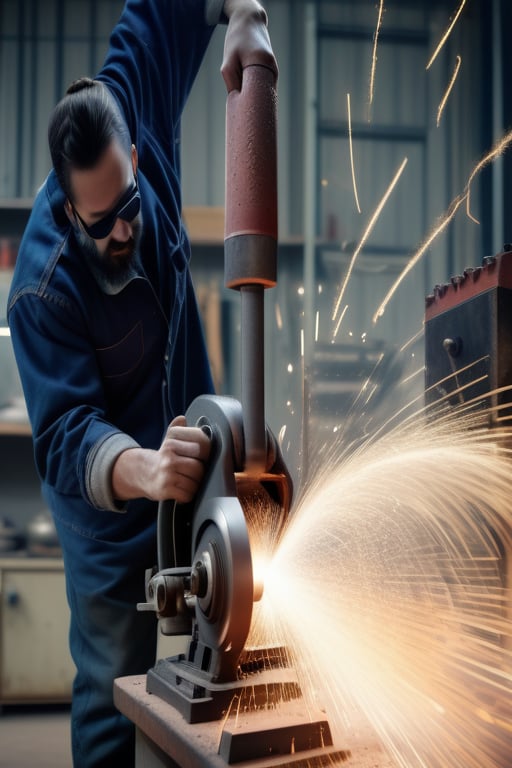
(206, 583)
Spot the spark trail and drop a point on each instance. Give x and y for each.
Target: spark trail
(351, 149)
(366, 234)
(448, 91)
(446, 35)
(374, 57)
(389, 589)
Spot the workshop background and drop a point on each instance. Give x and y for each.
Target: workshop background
(314, 369)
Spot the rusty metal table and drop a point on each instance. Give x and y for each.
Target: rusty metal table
(164, 738)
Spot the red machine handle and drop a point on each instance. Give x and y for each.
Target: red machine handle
(250, 236)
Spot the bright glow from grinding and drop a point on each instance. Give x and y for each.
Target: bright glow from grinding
(387, 588)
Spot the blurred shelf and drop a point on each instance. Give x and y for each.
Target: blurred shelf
(14, 418)
(15, 428)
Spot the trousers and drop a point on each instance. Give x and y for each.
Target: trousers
(108, 638)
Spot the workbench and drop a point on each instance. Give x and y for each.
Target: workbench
(165, 740)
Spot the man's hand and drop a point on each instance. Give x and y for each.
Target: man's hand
(174, 471)
(182, 458)
(247, 41)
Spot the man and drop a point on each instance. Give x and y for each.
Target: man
(108, 339)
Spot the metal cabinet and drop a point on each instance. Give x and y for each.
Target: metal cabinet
(35, 663)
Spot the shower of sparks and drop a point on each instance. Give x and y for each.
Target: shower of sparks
(388, 589)
(497, 150)
(499, 147)
(366, 235)
(446, 35)
(441, 226)
(374, 56)
(352, 168)
(448, 90)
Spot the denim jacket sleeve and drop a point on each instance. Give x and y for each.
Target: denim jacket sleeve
(154, 56)
(74, 444)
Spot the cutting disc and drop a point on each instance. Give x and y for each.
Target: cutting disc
(223, 557)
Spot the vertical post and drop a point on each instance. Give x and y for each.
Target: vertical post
(309, 210)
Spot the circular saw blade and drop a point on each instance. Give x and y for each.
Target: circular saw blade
(222, 551)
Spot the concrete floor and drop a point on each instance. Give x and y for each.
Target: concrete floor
(35, 736)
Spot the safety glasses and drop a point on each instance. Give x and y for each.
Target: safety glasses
(127, 209)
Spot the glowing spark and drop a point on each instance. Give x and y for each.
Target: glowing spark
(354, 184)
(498, 149)
(338, 324)
(302, 342)
(367, 233)
(374, 55)
(454, 206)
(412, 340)
(448, 91)
(413, 375)
(317, 324)
(446, 35)
(279, 317)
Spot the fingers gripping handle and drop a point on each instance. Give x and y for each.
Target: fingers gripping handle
(250, 238)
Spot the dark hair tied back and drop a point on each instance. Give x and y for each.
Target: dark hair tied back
(81, 127)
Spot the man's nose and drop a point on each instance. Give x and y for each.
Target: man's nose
(121, 231)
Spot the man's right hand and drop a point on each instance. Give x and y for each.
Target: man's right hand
(174, 471)
(247, 41)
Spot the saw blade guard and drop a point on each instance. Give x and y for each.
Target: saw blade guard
(225, 530)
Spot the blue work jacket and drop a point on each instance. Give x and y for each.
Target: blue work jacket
(102, 372)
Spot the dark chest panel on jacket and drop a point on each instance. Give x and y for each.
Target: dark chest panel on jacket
(130, 337)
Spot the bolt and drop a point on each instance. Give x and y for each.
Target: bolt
(199, 579)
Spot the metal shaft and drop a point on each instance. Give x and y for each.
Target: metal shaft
(253, 377)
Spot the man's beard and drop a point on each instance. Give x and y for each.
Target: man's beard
(116, 266)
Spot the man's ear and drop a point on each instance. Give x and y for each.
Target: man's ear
(69, 211)
(135, 159)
